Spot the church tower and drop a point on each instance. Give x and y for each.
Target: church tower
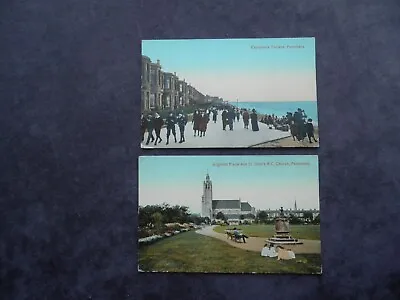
(206, 199)
(295, 205)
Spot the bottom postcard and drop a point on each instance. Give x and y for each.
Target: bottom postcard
(229, 214)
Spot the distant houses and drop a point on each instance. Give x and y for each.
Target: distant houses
(164, 90)
(301, 214)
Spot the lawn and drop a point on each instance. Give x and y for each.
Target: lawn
(192, 252)
(307, 232)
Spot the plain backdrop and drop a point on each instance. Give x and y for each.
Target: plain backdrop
(69, 140)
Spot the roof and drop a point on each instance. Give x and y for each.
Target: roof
(146, 57)
(230, 217)
(245, 206)
(226, 204)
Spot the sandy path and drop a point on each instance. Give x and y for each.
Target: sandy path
(256, 243)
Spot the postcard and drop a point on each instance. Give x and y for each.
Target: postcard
(229, 214)
(229, 93)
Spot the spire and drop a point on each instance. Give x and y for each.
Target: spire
(295, 204)
(207, 176)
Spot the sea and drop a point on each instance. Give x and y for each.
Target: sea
(281, 108)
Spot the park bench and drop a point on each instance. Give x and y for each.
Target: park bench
(235, 237)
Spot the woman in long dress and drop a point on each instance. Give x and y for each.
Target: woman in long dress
(254, 120)
(195, 121)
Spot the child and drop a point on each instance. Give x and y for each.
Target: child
(310, 130)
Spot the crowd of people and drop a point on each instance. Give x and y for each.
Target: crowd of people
(230, 115)
(297, 122)
(153, 122)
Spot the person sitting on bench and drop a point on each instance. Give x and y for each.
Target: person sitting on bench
(239, 235)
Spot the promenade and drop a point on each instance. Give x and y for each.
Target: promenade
(256, 243)
(218, 138)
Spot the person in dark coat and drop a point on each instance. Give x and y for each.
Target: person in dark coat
(171, 122)
(299, 123)
(237, 115)
(254, 120)
(203, 124)
(310, 131)
(246, 118)
(182, 121)
(293, 130)
(143, 124)
(195, 122)
(158, 122)
(231, 118)
(224, 119)
(215, 114)
(149, 128)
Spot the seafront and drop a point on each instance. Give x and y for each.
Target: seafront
(218, 138)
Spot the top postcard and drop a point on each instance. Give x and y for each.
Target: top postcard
(229, 93)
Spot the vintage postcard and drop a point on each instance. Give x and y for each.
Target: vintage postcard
(229, 214)
(229, 93)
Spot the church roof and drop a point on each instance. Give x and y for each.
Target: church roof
(226, 204)
(245, 206)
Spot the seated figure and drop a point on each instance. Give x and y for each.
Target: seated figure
(238, 235)
(268, 251)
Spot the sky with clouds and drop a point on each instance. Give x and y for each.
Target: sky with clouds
(242, 69)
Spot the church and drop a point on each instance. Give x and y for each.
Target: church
(232, 208)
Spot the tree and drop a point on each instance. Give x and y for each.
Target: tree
(294, 220)
(220, 216)
(316, 220)
(145, 214)
(308, 216)
(262, 216)
(241, 217)
(157, 219)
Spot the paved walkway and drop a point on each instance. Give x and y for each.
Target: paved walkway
(218, 138)
(256, 243)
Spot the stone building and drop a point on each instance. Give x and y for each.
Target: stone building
(146, 80)
(198, 97)
(232, 209)
(190, 91)
(170, 91)
(164, 90)
(183, 93)
(156, 85)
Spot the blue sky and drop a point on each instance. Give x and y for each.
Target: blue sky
(232, 54)
(179, 180)
(233, 68)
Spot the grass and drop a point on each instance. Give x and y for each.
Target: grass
(307, 232)
(192, 252)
